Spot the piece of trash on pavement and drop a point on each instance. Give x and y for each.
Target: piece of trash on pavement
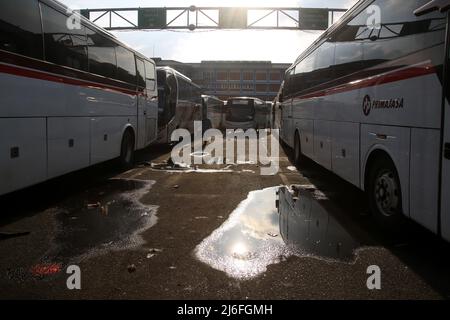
(131, 268)
(7, 235)
(45, 269)
(93, 205)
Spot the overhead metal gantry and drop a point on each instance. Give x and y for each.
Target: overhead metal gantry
(193, 18)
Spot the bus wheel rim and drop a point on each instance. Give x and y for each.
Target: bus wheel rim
(386, 193)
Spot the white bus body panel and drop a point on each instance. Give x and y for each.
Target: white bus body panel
(64, 157)
(107, 133)
(322, 143)
(424, 174)
(26, 97)
(30, 167)
(345, 152)
(57, 113)
(306, 131)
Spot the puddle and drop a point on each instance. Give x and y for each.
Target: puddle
(109, 216)
(310, 228)
(256, 235)
(242, 246)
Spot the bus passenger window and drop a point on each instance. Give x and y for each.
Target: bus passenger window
(140, 73)
(150, 75)
(63, 46)
(126, 67)
(102, 55)
(20, 28)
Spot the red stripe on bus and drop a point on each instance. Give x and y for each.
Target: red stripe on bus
(60, 79)
(377, 80)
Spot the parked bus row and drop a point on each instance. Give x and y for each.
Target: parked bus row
(74, 97)
(371, 104)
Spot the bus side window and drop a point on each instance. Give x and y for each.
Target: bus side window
(63, 46)
(126, 66)
(150, 73)
(402, 33)
(102, 55)
(140, 73)
(172, 97)
(20, 28)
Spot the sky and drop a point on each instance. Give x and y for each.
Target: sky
(279, 46)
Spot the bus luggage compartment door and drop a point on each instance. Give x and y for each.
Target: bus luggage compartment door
(23, 160)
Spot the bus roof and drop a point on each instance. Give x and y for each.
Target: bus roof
(179, 74)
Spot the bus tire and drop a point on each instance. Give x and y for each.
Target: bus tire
(127, 150)
(384, 193)
(298, 157)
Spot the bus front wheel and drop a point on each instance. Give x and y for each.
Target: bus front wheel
(384, 192)
(127, 150)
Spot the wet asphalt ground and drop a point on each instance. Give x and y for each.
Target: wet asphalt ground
(168, 232)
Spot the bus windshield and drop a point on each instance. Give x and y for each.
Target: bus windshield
(240, 111)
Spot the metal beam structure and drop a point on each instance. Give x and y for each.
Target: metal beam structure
(193, 18)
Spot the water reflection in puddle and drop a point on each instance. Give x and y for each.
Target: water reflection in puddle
(310, 228)
(256, 235)
(242, 246)
(109, 216)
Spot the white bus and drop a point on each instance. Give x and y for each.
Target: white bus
(180, 103)
(240, 112)
(70, 95)
(371, 104)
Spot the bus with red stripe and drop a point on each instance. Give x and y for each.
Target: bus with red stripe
(369, 101)
(71, 94)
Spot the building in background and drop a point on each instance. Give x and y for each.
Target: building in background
(224, 79)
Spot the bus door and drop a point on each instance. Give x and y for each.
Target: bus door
(151, 105)
(167, 105)
(147, 104)
(172, 123)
